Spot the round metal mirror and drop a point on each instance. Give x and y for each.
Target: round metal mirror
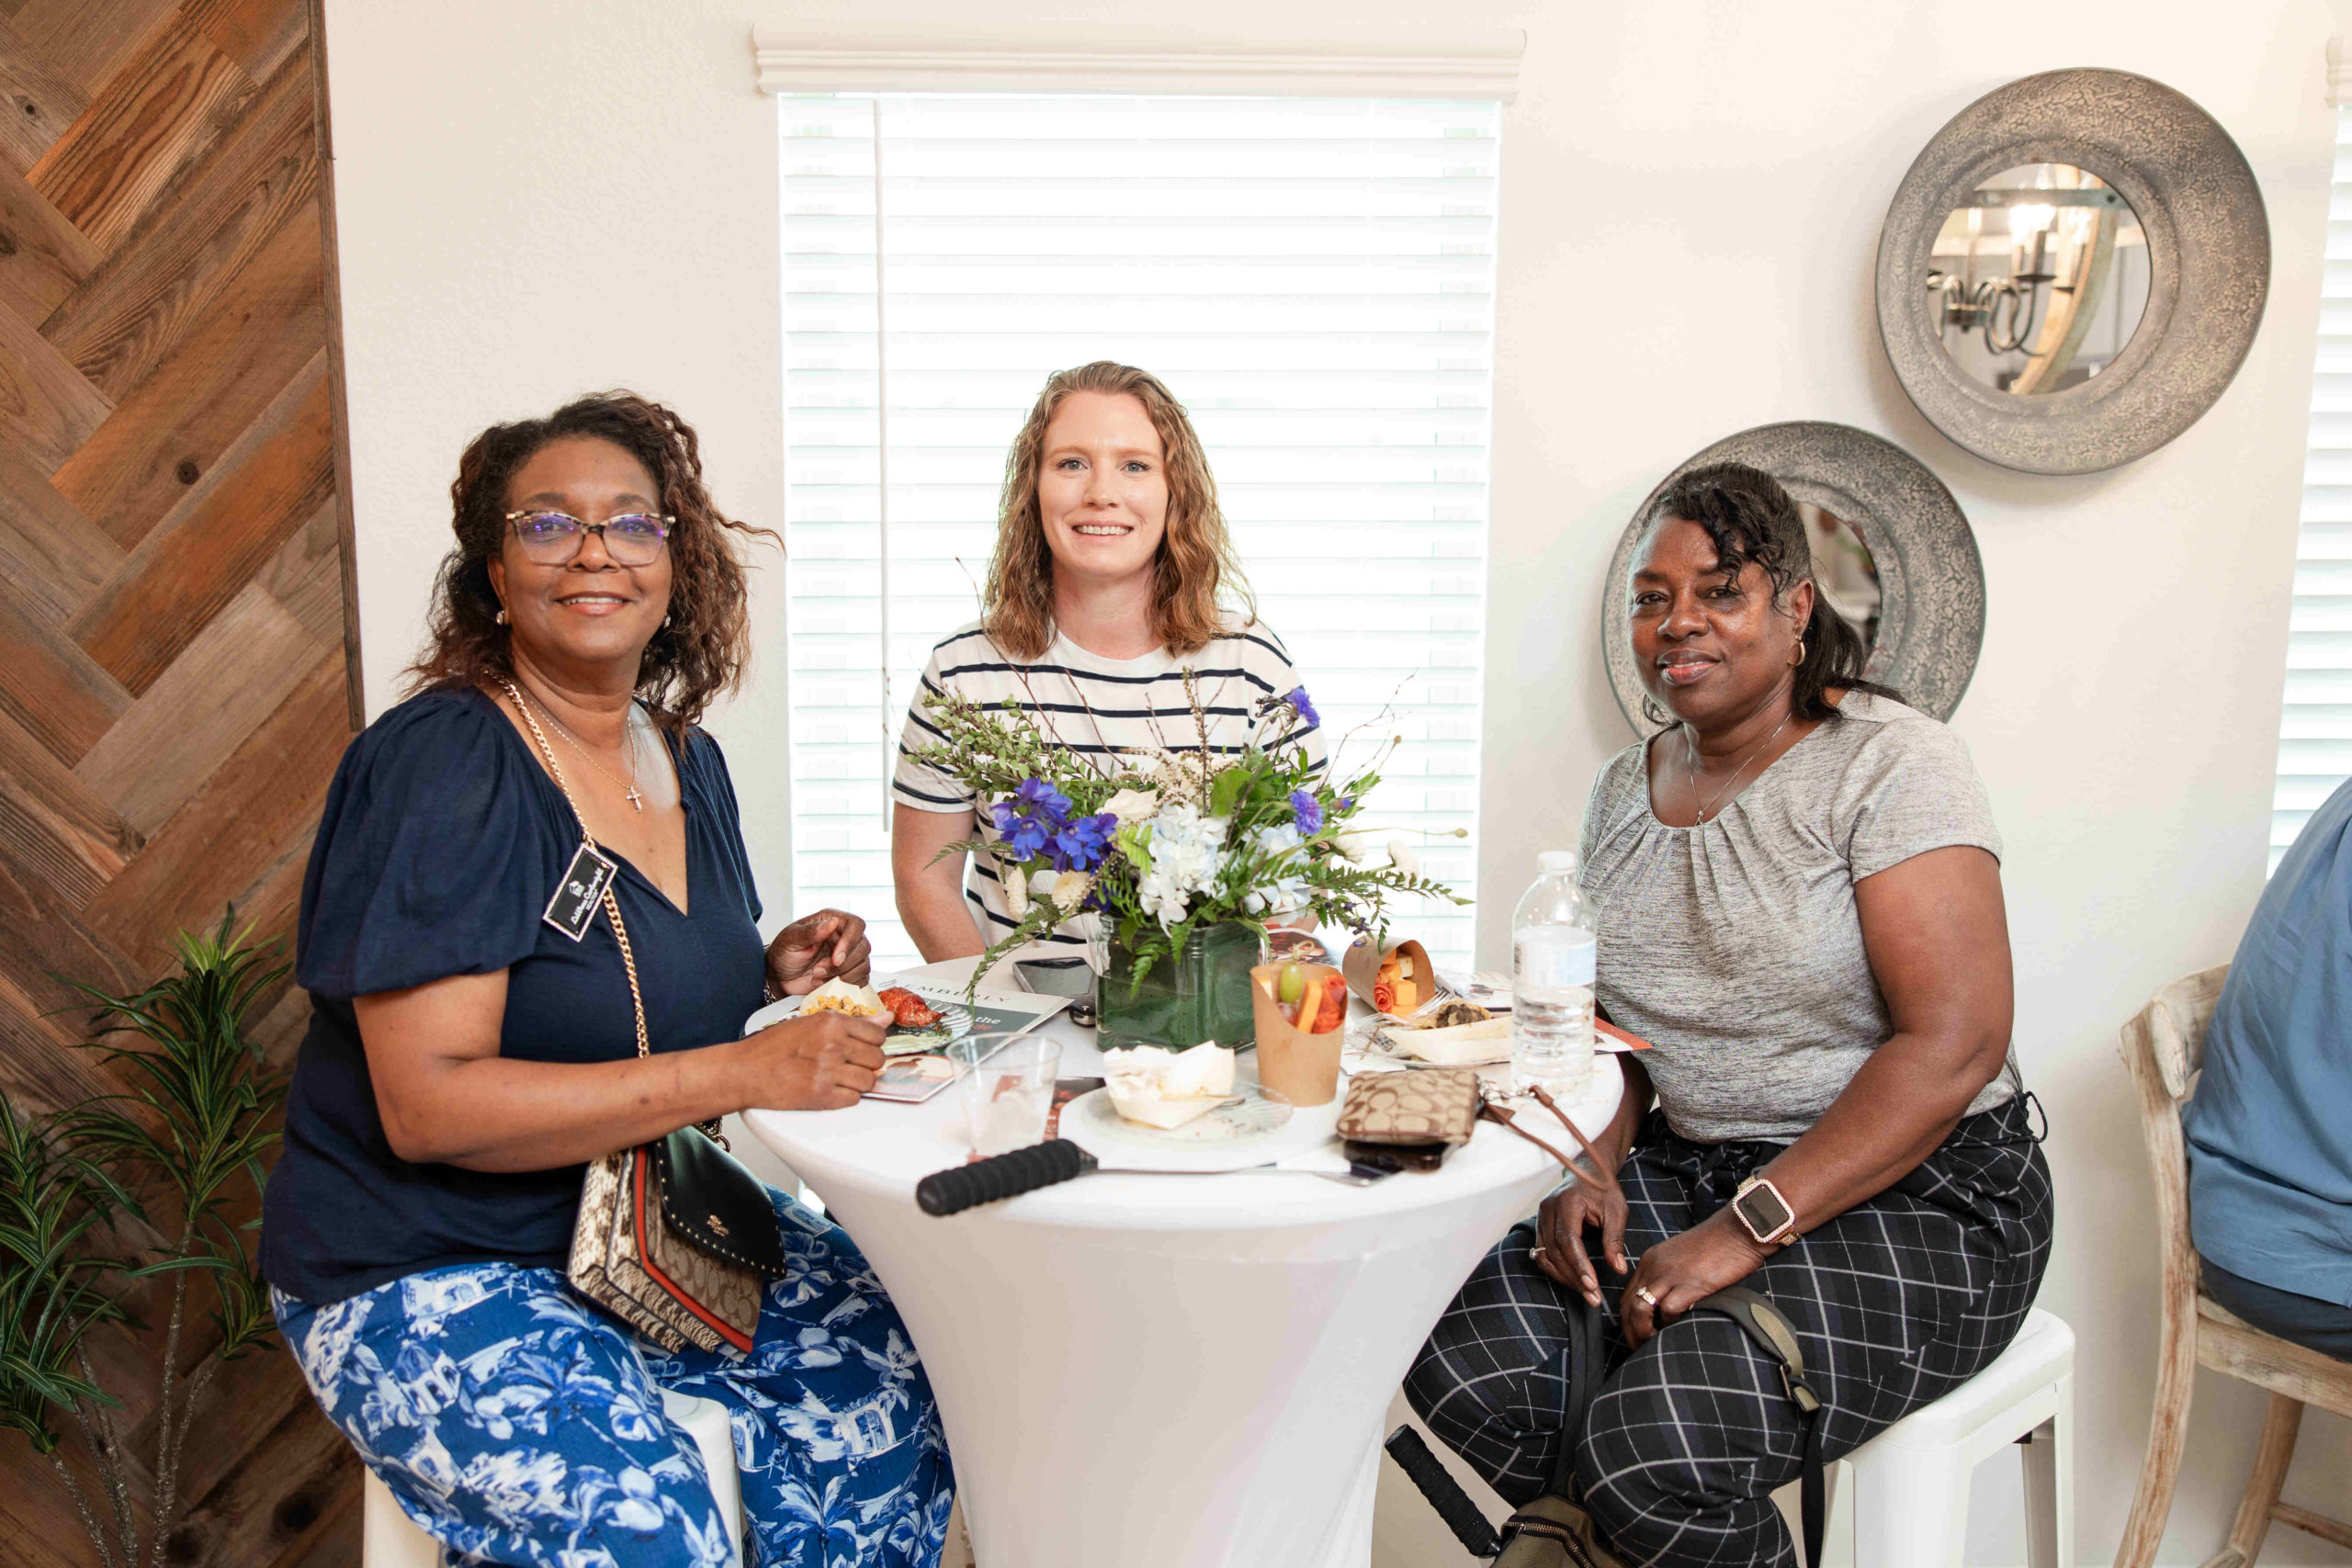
(2072, 271)
(1892, 553)
(2040, 279)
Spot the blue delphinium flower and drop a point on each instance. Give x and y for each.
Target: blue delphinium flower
(1043, 796)
(1306, 811)
(1297, 699)
(1081, 845)
(1028, 832)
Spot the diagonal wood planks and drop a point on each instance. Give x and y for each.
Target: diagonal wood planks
(175, 677)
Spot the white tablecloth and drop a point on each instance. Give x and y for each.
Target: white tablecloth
(1188, 1370)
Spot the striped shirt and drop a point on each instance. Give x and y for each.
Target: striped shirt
(1096, 706)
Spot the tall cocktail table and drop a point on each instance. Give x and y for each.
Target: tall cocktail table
(1187, 1370)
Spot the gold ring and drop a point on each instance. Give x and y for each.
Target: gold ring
(1644, 1291)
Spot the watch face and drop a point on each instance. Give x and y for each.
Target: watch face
(1763, 1211)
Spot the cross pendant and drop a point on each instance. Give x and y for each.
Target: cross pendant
(636, 800)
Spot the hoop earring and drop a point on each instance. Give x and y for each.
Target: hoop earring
(501, 616)
(1799, 660)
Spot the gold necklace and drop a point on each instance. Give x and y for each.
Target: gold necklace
(1692, 747)
(629, 741)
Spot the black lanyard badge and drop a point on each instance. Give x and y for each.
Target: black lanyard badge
(573, 907)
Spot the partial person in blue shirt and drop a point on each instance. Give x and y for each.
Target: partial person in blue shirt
(2270, 1127)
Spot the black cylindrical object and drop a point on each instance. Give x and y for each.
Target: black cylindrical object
(1005, 1175)
(1444, 1493)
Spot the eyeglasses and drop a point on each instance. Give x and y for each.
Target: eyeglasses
(553, 538)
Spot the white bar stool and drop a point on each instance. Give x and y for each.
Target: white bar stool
(389, 1538)
(1910, 1483)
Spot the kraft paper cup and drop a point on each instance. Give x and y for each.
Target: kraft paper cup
(1360, 963)
(1302, 1068)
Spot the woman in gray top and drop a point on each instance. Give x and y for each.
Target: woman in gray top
(1802, 896)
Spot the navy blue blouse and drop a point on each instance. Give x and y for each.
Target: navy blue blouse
(441, 843)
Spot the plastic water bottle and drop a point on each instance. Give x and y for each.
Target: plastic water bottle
(1554, 940)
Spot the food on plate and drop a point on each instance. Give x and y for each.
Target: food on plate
(1398, 987)
(1452, 1014)
(839, 996)
(909, 1010)
(1456, 1045)
(1165, 1088)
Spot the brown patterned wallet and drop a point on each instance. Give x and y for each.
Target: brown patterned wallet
(1407, 1121)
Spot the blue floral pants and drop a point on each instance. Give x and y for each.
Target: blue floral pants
(520, 1425)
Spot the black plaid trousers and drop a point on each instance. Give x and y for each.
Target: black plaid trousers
(1898, 1302)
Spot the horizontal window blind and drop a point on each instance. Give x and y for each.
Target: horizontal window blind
(2315, 729)
(1313, 277)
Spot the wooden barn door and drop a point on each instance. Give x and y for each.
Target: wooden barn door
(174, 689)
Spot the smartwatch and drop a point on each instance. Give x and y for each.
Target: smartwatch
(1764, 1213)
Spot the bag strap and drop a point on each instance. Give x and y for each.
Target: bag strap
(612, 905)
(1754, 1312)
(1587, 1353)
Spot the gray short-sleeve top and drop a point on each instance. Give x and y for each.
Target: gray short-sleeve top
(1736, 947)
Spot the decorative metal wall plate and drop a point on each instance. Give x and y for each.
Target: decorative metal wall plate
(1932, 617)
(2208, 251)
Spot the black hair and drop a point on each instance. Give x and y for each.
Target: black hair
(1748, 517)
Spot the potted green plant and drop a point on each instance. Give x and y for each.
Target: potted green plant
(130, 1188)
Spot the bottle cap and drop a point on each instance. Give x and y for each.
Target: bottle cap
(1556, 860)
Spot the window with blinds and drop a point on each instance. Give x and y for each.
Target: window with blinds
(1313, 277)
(2315, 729)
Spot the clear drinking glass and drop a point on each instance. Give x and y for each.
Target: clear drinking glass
(1008, 1088)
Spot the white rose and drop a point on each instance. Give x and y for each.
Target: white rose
(1403, 857)
(1355, 845)
(1070, 889)
(1133, 806)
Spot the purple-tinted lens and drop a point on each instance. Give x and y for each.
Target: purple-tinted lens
(634, 537)
(547, 530)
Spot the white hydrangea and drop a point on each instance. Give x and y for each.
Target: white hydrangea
(1187, 856)
(1286, 895)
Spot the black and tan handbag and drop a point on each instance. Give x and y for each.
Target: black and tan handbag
(674, 1237)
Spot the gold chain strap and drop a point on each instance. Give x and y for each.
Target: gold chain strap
(612, 905)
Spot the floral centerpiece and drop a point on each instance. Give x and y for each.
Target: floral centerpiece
(1176, 859)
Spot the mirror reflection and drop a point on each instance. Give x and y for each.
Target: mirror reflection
(2040, 278)
(1843, 571)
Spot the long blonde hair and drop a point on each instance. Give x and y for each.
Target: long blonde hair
(1195, 561)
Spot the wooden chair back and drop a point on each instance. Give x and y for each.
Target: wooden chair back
(2164, 1047)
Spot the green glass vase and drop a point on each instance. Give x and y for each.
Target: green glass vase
(1201, 993)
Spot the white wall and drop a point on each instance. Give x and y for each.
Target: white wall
(539, 198)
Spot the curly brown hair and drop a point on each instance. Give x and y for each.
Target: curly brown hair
(698, 655)
(1195, 561)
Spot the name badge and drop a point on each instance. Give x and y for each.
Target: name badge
(573, 907)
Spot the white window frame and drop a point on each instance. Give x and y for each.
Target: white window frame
(1132, 62)
(2314, 752)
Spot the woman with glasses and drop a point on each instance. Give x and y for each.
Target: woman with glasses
(1114, 586)
(468, 1052)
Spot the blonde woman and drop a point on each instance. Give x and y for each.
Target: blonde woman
(1112, 578)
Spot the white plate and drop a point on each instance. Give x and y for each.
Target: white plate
(954, 1022)
(1226, 1139)
(1363, 1051)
